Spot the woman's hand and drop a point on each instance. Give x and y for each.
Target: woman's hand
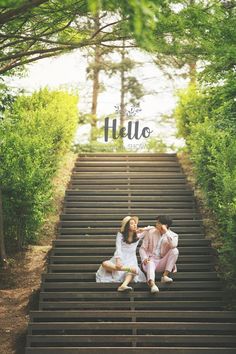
(146, 261)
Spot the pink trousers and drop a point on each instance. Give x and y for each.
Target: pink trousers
(160, 265)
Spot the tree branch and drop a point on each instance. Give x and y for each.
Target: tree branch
(20, 62)
(32, 52)
(118, 46)
(37, 37)
(11, 14)
(105, 26)
(23, 39)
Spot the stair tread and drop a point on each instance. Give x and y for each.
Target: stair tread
(120, 350)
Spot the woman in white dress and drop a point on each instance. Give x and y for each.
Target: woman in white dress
(123, 266)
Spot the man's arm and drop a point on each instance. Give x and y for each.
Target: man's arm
(144, 247)
(172, 238)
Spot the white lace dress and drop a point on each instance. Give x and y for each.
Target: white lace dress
(127, 254)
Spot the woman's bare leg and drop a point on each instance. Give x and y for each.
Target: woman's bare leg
(128, 279)
(109, 266)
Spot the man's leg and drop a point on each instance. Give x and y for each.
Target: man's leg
(149, 268)
(167, 263)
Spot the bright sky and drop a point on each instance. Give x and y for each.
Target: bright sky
(69, 71)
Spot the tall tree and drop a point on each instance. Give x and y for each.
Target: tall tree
(94, 70)
(131, 90)
(101, 61)
(122, 85)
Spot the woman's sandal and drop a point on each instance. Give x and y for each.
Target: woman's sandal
(124, 288)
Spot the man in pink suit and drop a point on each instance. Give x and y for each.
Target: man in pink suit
(159, 251)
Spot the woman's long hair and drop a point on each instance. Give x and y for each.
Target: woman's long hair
(125, 234)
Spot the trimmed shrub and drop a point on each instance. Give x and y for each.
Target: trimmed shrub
(34, 135)
(212, 147)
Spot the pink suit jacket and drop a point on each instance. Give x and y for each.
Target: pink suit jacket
(151, 240)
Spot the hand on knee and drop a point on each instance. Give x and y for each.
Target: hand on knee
(175, 251)
(104, 264)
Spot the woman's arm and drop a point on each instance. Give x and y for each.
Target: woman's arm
(141, 231)
(118, 251)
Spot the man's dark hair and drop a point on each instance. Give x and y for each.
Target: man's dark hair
(165, 220)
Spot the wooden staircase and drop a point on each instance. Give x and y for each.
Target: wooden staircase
(78, 315)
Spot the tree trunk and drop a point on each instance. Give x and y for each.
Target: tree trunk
(96, 83)
(2, 243)
(192, 63)
(192, 72)
(122, 87)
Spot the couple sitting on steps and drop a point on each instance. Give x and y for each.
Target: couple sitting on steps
(158, 253)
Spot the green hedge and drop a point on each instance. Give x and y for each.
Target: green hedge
(210, 137)
(34, 135)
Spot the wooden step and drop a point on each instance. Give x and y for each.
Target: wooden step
(136, 182)
(148, 315)
(131, 186)
(117, 223)
(127, 327)
(86, 267)
(77, 277)
(136, 296)
(122, 212)
(126, 174)
(81, 259)
(128, 305)
(148, 219)
(127, 158)
(216, 340)
(126, 168)
(87, 286)
(196, 236)
(147, 205)
(123, 168)
(110, 230)
(109, 251)
(107, 242)
(127, 155)
(122, 350)
(129, 164)
(143, 192)
(134, 199)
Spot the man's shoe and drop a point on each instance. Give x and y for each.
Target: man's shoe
(154, 289)
(166, 279)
